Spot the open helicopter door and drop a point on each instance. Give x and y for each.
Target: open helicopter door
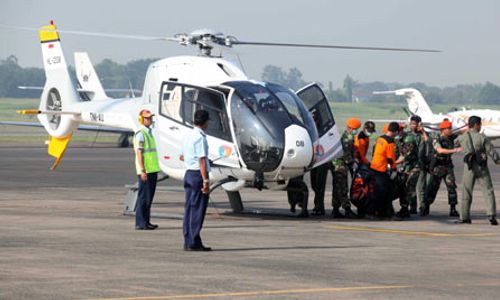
(178, 103)
(329, 145)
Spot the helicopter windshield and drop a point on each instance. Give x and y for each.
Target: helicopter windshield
(259, 120)
(261, 113)
(296, 108)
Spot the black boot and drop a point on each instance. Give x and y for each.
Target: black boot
(413, 210)
(349, 214)
(424, 211)
(403, 213)
(318, 212)
(336, 213)
(493, 220)
(303, 214)
(453, 211)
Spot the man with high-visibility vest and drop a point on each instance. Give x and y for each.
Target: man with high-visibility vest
(147, 166)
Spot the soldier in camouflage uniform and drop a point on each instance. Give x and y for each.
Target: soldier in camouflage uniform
(421, 140)
(340, 168)
(441, 167)
(477, 147)
(407, 149)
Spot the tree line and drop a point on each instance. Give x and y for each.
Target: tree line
(112, 75)
(355, 91)
(122, 76)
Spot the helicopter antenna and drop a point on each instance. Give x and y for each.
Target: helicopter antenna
(241, 64)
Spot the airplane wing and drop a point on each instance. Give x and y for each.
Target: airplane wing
(81, 127)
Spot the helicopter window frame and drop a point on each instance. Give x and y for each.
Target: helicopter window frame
(222, 129)
(320, 109)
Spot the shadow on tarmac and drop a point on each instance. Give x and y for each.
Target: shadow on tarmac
(291, 248)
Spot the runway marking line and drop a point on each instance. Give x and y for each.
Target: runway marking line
(305, 291)
(267, 293)
(407, 232)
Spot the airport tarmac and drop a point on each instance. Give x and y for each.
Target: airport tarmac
(63, 236)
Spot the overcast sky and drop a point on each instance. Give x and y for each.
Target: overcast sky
(468, 32)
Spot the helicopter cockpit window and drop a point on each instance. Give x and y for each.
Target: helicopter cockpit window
(180, 102)
(295, 107)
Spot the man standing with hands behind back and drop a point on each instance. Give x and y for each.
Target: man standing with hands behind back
(147, 166)
(196, 184)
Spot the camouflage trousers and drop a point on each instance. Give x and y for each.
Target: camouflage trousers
(422, 187)
(409, 196)
(434, 180)
(339, 186)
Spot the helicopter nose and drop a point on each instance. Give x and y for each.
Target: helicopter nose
(298, 148)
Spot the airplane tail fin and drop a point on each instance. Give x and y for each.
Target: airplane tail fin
(416, 102)
(87, 77)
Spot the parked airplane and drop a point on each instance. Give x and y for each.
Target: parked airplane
(418, 106)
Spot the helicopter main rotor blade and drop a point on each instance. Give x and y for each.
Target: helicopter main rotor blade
(98, 34)
(331, 46)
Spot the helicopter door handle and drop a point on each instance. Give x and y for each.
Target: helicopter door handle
(173, 128)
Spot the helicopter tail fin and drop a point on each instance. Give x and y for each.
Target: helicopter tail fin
(59, 95)
(87, 77)
(58, 79)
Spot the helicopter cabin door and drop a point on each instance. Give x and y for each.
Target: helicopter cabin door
(329, 145)
(178, 103)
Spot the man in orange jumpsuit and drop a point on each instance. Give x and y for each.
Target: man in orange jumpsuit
(362, 142)
(383, 162)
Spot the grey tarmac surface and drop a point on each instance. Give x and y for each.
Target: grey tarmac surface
(63, 236)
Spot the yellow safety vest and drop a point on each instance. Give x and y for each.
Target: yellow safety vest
(149, 154)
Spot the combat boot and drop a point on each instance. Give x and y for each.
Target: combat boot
(493, 221)
(349, 214)
(336, 213)
(466, 221)
(424, 211)
(453, 211)
(403, 213)
(318, 212)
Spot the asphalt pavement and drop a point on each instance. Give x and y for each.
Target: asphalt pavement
(63, 236)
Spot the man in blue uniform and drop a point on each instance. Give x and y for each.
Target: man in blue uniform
(195, 156)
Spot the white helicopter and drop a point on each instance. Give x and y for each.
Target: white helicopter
(459, 118)
(260, 134)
